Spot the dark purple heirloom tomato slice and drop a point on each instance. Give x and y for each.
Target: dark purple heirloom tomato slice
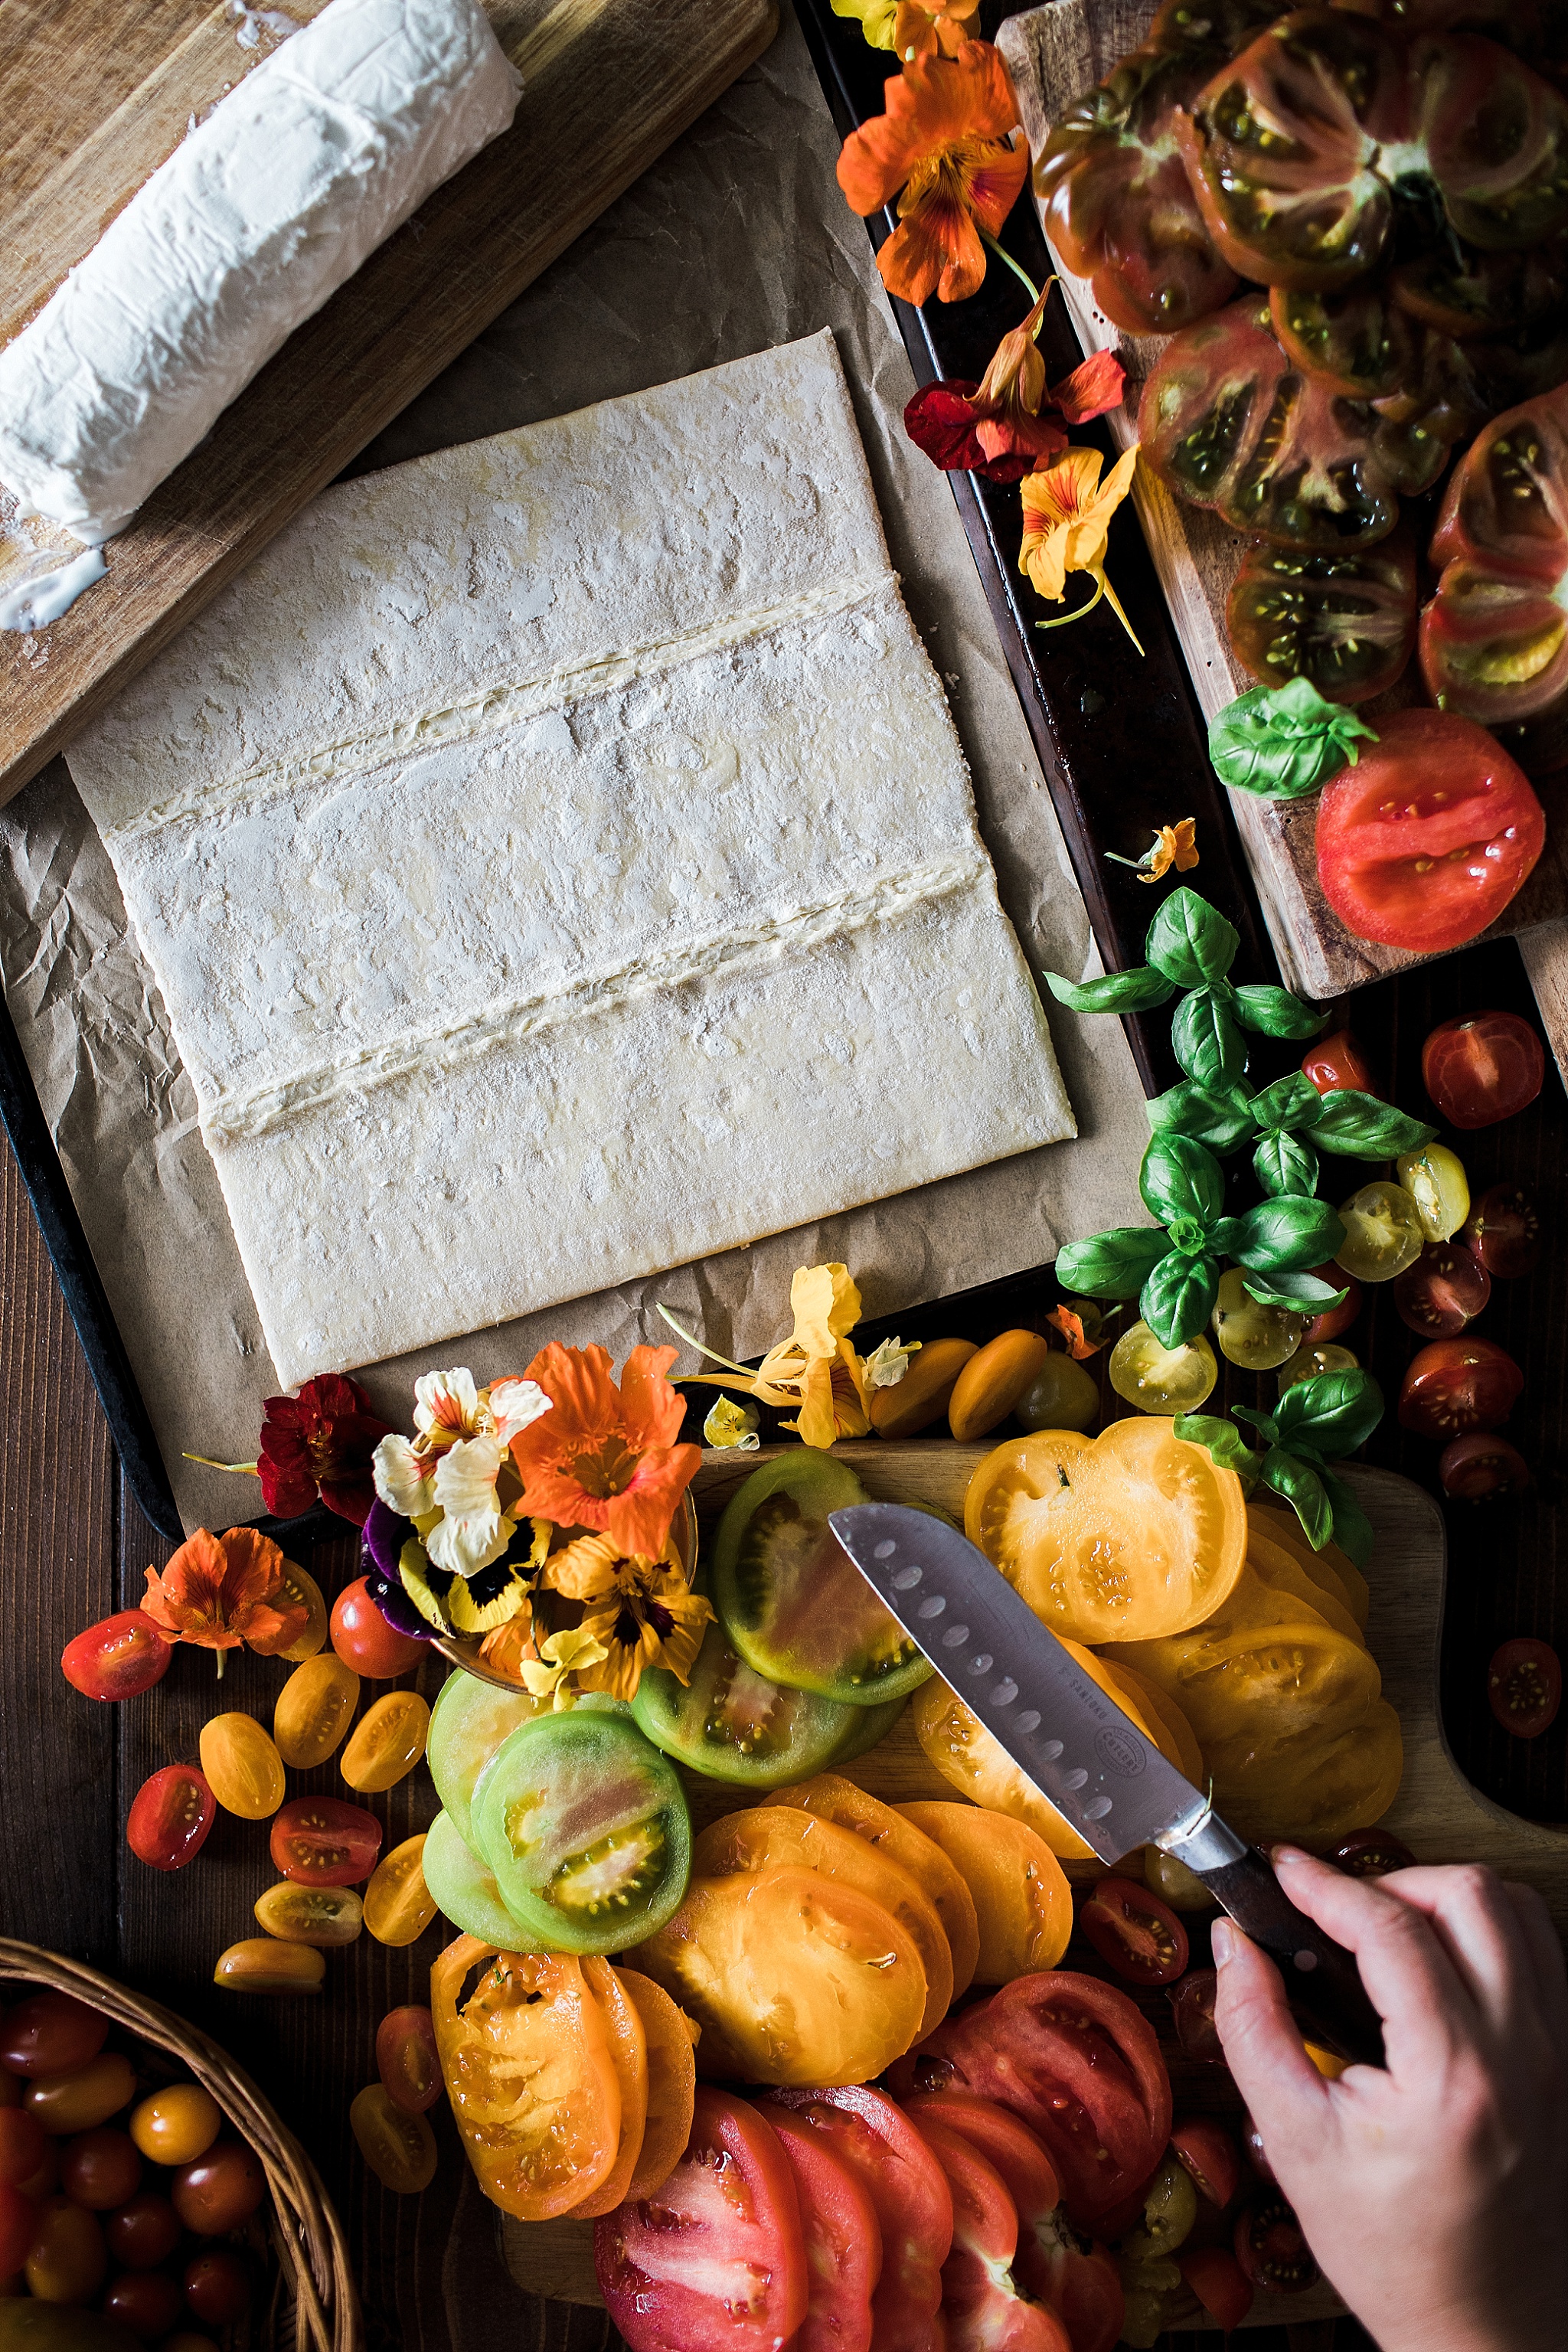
(1345, 620)
(1524, 1684)
(1481, 1467)
(1369, 1853)
(1445, 1289)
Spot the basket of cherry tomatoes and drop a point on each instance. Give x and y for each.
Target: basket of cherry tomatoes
(149, 2195)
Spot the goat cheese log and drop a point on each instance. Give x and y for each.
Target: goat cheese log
(257, 218)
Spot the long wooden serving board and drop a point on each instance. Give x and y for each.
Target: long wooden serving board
(1439, 1814)
(608, 85)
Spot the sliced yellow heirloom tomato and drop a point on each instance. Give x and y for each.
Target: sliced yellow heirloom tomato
(837, 1800)
(670, 2036)
(1021, 1896)
(1125, 1537)
(795, 1979)
(771, 1835)
(526, 2058)
(1167, 1727)
(628, 2051)
(1280, 1570)
(1345, 1580)
(1336, 1777)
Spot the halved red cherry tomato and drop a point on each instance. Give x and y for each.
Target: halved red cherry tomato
(1220, 2284)
(716, 2261)
(1458, 1384)
(913, 2200)
(1480, 1466)
(1136, 1934)
(1337, 1062)
(1192, 2012)
(1425, 840)
(321, 1842)
(169, 1816)
(364, 1641)
(1444, 1290)
(1503, 1231)
(1371, 1854)
(1271, 2250)
(843, 2238)
(1209, 2153)
(1482, 1068)
(982, 2307)
(120, 1657)
(1524, 1684)
(407, 2060)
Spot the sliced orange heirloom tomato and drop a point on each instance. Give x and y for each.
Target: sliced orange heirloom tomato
(1332, 1778)
(628, 2054)
(1022, 1899)
(1280, 1570)
(671, 2082)
(527, 2065)
(1331, 1566)
(1158, 1713)
(883, 1827)
(768, 1835)
(1126, 1537)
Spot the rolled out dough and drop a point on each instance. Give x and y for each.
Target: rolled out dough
(559, 862)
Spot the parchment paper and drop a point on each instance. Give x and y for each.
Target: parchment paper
(738, 239)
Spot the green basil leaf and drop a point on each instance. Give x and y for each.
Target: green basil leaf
(1284, 740)
(1298, 1294)
(1190, 942)
(1285, 1235)
(1285, 1163)
(1365, 1127)
(1219, 1117)
(1276, 1013)
(1179, 1180)
(1353, 1529)
(1303, 1489)
(1292, 1103)
(1206, 1042)
(1262, 1421)
(1223, 1440)
(1115, 1264)
(1178, 1297)
(1119, 991)
(1334, 1412)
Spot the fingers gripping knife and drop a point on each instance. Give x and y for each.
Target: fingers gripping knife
(1089, 1760)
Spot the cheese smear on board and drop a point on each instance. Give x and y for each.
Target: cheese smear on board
(257, 218)
(558, 863)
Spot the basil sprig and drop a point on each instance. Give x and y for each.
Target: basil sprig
(1316, 1422)
(1293, 1122)
(1284, 740)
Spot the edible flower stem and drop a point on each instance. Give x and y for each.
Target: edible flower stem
(1022, 275)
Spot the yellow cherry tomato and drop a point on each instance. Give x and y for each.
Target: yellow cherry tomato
(1382, 1233)
(1249, 1334)
(1308, 1362)
(1162, 1380)
(83, 2096)
(1063, 1394)
(314, 1709)
(299, 1586)
(309, 1915)
(244, 1770)
(265, 1964)
(399, 2149)
(1022, 1898)
(176, 2126)
(387, 1742)
(398, 1906)
(1435, 1181)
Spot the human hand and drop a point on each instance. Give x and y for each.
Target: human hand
(1434, 2195)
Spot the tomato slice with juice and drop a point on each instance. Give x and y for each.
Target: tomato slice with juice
(1134, 1933)
(1482, 1068)
(982, 2307)
(730, 1723)
(842, 2238)
(913, 2205)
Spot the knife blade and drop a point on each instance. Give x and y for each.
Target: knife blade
(1103, 1775)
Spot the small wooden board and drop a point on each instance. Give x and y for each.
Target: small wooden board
(1439, 1814)
(609, 84)
(1053, 53)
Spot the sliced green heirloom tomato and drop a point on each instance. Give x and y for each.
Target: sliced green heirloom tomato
(585, 1827)
(466, 1892)
(729, 1723)
(792, 1602)
(468, 1723)
(1346, 620)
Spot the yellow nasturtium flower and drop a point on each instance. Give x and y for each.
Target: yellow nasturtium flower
(1067, 521)
(816, 1370)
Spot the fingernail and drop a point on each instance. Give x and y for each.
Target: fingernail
(1278, 1854)
(1222, 1943)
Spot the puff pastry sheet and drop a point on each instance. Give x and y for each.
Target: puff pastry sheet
(558, 861)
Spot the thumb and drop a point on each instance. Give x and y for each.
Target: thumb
(1288, 2097)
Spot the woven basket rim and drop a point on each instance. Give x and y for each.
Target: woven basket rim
(314, 2256)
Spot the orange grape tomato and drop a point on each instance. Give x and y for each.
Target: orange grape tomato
(387, 1742)
(101, 2168)
(1283, 1573)
(67, 2260)
(628, 2050)
(220, 2189)
(406, 2058)
(364, 1640)
(314, 1709)
(49, 2032)
(301, 1590)
(1127, 1536)
(767, 1835)
(398, 1906)
(794, 1978)
(671, 2082)
(84, 2096)
(399, 2148)
(176, 2126)
(526, 2058)
(243, 1767)
(1022, 1899)
(881, 1826)
(309, 1915)
(267, 1965)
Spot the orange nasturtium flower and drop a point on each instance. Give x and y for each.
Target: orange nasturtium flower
(1067, 520)
(924, 28)
(221, 1591)
(601, 1457)
(943, 142)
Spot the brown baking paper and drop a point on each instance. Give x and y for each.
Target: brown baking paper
(738, 239)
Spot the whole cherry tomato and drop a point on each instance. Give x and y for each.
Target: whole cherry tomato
(1208, 2152)
(321, 1842)
(1136, 1934)
(1444, 1290)
(1192, 2008)
(219, 2190)
(67, 2260)
(1336, 1062)
(176, 2126)
(101, 2168)
(1482, 1068)
(120, 1657)
(1503, 1231)
(1480, 1466)
(218, 2286)
(24, 2143)
(1458, 1384)
(170, 1817)
(47, 2179)
(148, 2301)
(1369, 1853)
(407, 2061)
(144, 2232)
(1333, 1319)
(19, 2220)
(83, 2096)
(49, 2032)
(1271, 2250)
(1524, 1684)
(364, 1641)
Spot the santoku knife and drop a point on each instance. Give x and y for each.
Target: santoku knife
(1089, 1760)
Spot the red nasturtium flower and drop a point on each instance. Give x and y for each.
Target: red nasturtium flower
(320, 1442)
(996, 427)
(605, 1457)
(220, 1591)
(944, 141)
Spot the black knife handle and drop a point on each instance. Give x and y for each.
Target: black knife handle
(1320, 1977)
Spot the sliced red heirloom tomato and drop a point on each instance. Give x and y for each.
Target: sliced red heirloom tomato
(1220, 2284)
(913, 2204)
(1209, 2153)
(716, 2262)
(1133, 1932)
(1480, 1466)
(1524, 1684)
(1271, 2250)
(1346, 620)
(982, 2307)
(1425, 840)
(1333, 1064)
(1458, 1384)
(1445, 1289)
(1369, 1853)
(1483, 1067)
(842, 2238)
(1503, 1231)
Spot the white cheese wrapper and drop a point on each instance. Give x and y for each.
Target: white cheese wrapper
(253, 222)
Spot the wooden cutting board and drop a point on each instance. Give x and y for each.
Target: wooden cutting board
(1439, 1814)
(94, 97)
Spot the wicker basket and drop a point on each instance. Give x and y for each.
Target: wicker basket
(316, 2306)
